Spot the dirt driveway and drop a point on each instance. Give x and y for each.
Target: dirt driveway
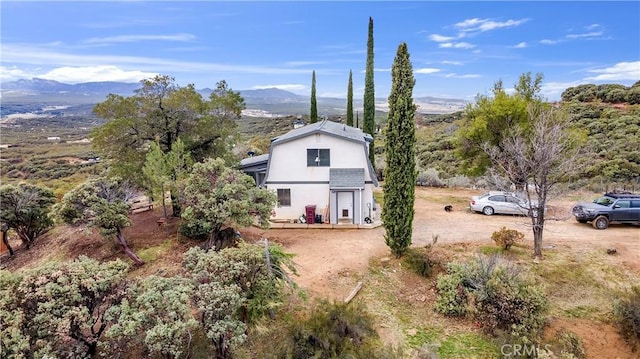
(326, 255)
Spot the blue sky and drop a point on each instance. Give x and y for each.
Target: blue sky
(458, 49)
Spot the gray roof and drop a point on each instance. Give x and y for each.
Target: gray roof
(327, 127)
(346, 178)
(251, 161)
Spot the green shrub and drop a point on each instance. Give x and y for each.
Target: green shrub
(419, 262)
(495, 294)
(334, 330)
(505, 237)
(627, 313)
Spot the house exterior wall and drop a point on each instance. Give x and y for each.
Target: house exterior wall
(310, 185)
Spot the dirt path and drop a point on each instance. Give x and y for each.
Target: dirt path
(325, 255)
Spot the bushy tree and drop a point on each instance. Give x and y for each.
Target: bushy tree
(216, 195)
(162, 112)
(313, 111)
(102, 203)
(400, 172)
(155, 313)
(25, 209)
(369, 122)
(233, 287)
(490, 119)
(350, 100)
(57, 310)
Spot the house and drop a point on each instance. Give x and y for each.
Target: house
(322, 171)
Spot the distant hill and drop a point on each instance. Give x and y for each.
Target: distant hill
(268, 102)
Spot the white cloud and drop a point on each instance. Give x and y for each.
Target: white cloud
(521, 45)
(585, 35)
(40, 55)
(593, 27)
(137, 38)
(456, 45)
(457, 63)
(14, 73)
(482, 25)
(303, 63)
(440, 38)
(464, 76)
(549, 42)
(287, 87)
(382, 70)
(426, 70)
(617, 72)
(95, 73)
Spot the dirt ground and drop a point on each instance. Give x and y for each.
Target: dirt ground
(322, 254)
(326, 258)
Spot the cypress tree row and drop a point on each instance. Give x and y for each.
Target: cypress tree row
(400, 172)
(369, 124)
(313, 114)
(350, 100)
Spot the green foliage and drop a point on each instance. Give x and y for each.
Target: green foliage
(102, 203)
(162, 171)
(350, 100)
(568, 345)
(495, 294)
(626, 311)
(400, 171)
(489, 120)
(155, 313)
(333, 330)
(57, 310)
(233, 287)
(215, 195)
(313, 111)
(505, 238)
(164, 112)
(419, 262)
(369, 121)
(25, 209)
(607, 93)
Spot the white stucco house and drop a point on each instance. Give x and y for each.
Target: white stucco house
(324, 164)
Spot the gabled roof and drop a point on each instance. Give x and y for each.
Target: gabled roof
(325, 127)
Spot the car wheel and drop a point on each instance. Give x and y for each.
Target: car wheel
(488, 210)
(601, 222)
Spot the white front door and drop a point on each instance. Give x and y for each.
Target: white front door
(345, 207)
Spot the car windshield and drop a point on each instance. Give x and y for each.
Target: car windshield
(605, 201)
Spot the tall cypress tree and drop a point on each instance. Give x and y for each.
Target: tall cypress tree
(369, 122)
(350, 100)
(400, 172)
(313, 114)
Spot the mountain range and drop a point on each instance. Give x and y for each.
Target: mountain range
(260, 102)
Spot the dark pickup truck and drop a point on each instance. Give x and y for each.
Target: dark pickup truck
(612, 207)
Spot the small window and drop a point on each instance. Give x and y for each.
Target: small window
(318, 157)
(497, 199)
(623, 204)
(635, 204)
(284, 197)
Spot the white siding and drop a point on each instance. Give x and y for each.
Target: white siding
(310, 185)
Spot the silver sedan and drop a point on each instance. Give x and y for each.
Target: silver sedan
(500, 203)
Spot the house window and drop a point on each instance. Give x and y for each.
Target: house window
(318, 157)
(284, 197)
